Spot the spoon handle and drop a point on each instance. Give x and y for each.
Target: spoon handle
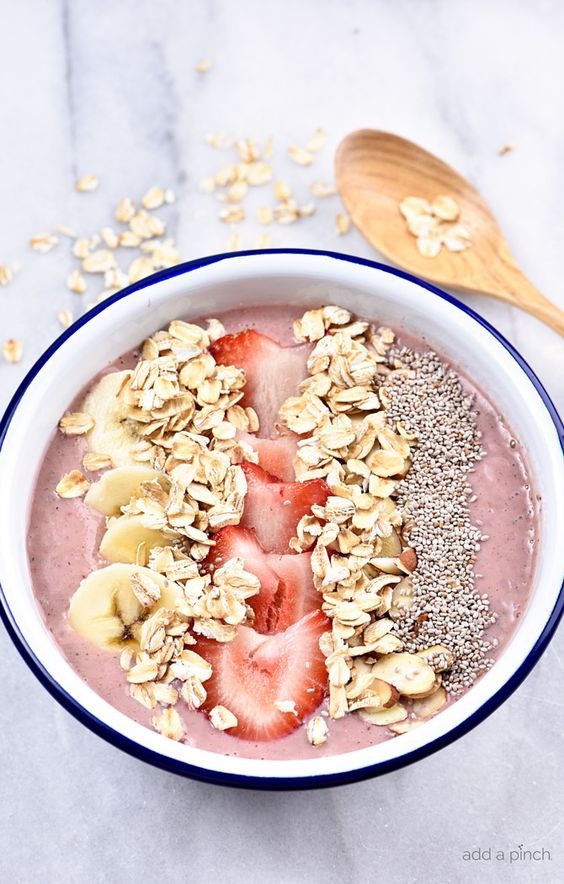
(522, 293)
(507, 281)
(546, 311)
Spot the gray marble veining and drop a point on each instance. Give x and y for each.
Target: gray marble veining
(111, 88)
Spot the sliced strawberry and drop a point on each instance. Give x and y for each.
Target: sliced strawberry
(286, 583)
(301, 596)
(257, 475)
(253, 671)
(276, 455)
(274, 508)
(273, 372)
(235, 541)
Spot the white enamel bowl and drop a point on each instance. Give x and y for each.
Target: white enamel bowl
(301, 279)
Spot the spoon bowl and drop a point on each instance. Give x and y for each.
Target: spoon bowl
(376, 170)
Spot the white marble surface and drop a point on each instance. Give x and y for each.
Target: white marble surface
(110, 88)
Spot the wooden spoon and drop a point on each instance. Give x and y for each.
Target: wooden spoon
(376, 170)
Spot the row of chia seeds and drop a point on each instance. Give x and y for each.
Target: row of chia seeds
(430, 401)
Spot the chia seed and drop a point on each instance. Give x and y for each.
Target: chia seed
(430, 401)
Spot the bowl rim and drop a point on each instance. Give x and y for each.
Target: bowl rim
(316, 781)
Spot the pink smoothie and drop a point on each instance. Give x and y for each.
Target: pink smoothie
(64, 536)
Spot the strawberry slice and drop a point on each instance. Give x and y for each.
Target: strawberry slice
(274, 508)
(276, 455)
(273, 372)
(235, 541)
(295, 571)
(287, 591)
(253, 671)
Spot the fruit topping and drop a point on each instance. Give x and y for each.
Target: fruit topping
(274, 508)
(286, 585)
(272, 372)
(253, 673)
(276, 455)
(111, 604)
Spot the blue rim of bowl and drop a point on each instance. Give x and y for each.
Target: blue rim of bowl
(255, 782)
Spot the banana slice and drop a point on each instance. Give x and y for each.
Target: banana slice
(116, 488)
(105, 609)
(127, 539)
(112, 432)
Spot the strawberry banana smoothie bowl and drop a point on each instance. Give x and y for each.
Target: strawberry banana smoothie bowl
(271, 536)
